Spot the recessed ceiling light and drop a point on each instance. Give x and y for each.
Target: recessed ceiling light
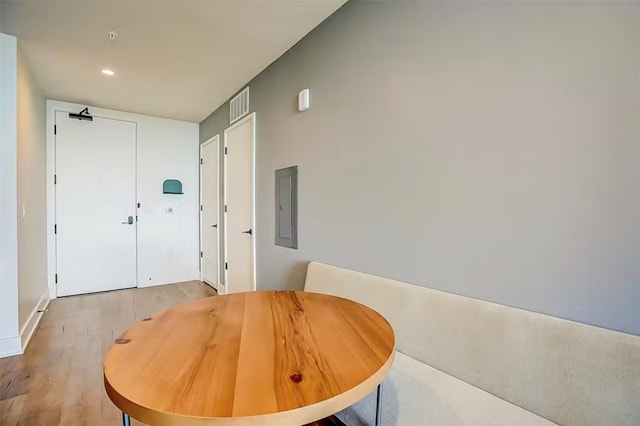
(108, 72)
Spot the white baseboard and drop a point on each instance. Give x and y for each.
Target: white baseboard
(212, 285)
(32, 323)
(143, 284)
(10, 346)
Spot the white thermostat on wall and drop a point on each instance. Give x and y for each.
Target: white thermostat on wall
(303, 100)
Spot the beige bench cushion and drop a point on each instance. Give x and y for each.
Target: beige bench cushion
(570, 373)
(417, 394)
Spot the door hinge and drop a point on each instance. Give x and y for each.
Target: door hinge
(136, 218)
(55, 229)
(225, 208)
(225, 150)
(56, 278)
(226, 266)
(201, 254)
(55, 129)
(201, 161)
(55, 179)
(200, 207)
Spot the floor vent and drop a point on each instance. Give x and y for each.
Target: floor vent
(239, 106)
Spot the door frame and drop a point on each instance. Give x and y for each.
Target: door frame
(53, 107)
(252, 118)
(213, 139)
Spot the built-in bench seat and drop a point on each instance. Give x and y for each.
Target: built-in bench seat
(416, 394)
(463, 361)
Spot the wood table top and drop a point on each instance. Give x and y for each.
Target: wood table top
(258, 358)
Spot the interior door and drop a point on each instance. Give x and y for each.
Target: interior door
(239, 142)
(209, 215)
(95, 189)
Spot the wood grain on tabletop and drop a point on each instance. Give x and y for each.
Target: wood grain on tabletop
(254, 358)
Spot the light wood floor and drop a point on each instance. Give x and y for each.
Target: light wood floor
(58, 381)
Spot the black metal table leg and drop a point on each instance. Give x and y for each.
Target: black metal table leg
(378, 405)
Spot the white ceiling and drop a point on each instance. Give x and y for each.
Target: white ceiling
(176, 59)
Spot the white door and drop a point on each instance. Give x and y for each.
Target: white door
(239, 142)
(209, 211)
(95, 204)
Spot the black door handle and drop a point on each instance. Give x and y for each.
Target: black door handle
(250, 232)
(214, 226)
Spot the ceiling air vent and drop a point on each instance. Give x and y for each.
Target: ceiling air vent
(239, 106)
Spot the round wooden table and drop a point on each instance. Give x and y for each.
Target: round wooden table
(259, 358)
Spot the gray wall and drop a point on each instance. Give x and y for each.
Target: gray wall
(490, 150)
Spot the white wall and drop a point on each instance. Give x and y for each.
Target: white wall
(9, 338)
(168, 244)
(33, 292)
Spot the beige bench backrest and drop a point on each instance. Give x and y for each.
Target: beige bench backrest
(567, 372)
